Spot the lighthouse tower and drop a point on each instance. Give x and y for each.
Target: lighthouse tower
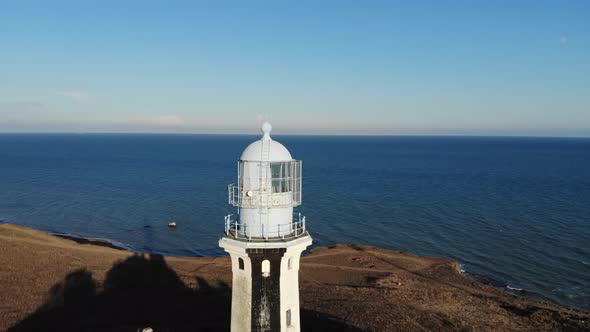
(265, 238)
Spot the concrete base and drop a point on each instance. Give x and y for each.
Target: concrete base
(265, 290)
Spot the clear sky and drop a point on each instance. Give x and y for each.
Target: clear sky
(330, 67)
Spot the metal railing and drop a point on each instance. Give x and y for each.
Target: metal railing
(237, 230)
(234, 195)
(239, 197)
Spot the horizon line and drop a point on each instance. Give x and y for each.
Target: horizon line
(286, 134)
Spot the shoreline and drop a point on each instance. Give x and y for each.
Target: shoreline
(483, 279)
(91, 241)
(343, 287)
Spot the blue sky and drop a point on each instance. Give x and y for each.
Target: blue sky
(329, 67)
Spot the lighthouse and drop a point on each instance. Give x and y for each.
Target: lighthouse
(265, 238)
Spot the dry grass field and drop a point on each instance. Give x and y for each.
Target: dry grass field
(55, 284)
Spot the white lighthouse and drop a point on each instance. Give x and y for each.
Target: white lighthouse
(266, 238)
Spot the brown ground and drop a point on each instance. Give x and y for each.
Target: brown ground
(54, 284)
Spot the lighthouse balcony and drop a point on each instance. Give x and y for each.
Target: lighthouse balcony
(261, 232)
(268, 197)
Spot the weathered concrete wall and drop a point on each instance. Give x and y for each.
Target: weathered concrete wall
(260, 300)
(241, 298)
(266, 295)
(290, 287)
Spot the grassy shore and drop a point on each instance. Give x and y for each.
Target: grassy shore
(50, 283)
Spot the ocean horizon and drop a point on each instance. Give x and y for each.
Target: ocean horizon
(514, 211)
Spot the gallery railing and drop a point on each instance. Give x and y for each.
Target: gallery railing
(237, 230)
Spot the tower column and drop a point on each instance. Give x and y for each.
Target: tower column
(265, 284)
(241, 295)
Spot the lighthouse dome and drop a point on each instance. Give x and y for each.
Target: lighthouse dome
(276, 151)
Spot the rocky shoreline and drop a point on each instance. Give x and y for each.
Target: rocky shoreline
(63, 283)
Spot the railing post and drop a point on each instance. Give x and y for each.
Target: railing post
(265, 234)
(236, 231)
(303, 221)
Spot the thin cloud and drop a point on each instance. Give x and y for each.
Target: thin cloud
(165, 121)
(12, 112)
(151, 123)
(563, 40)
(79, 96)
(19, 106)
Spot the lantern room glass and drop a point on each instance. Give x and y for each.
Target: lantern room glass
(274, 178)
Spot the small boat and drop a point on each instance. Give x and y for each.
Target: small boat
(172, 224)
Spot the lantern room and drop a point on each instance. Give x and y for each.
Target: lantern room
(268, 188)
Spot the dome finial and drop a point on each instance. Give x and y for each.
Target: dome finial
(266, 129)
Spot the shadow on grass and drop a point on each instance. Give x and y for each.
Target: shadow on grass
(142, 291)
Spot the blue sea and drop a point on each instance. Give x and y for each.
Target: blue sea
(513, 211)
